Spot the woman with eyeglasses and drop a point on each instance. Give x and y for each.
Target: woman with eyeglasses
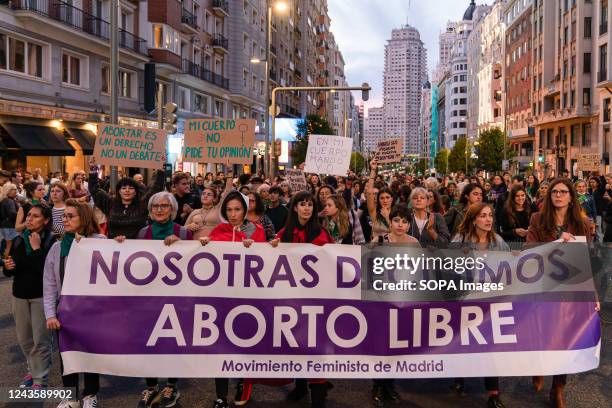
(126, 212)
(162, 210)
(35, 193)
(235, 227)
(303, 227)
(471, 194)
(203, 220)
(559, 219)
(79, 222)
(26, 264)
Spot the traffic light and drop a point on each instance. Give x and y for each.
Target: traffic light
(170, 118)
(365, 94)
(540, 155)
(277, 148)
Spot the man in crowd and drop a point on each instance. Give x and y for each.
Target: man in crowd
(187, 202)
(276, 212)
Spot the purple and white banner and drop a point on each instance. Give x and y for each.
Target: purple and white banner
(144, 309)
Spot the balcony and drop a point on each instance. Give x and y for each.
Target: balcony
(603, 28)
(273, 49)
(221, 8)
(220, 43)
(298, 73)
(204, 74)
(189, 19)
(80, 20)
(273, 76)
(603, 81)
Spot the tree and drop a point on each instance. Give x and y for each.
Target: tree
(441, 161)
(456, 158)
(490, 150)
(358, 162)
(421, 166)
(313, 124)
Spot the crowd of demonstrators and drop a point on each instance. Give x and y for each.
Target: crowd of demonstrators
(41, 217)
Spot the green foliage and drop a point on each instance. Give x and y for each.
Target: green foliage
(441, 161)
(490, 150)
(313, 124)
(456, 158)
(422, 166)
(358, 162)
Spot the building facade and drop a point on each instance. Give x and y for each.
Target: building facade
(374, 129)
(404, 74)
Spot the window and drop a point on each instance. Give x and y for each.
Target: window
(165, 37)
(574, 135)
(587, 63)
(73, 68)
(200, 103)
(126, 82)
(588, 22)
(183, 98)
(603, 62)
(21, 56)
(219, 108)
(105, 79)
(586, 134)
(586, 96)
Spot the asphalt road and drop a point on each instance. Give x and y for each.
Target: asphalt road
(587, 390)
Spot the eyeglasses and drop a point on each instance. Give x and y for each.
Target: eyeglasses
(68, 216)
(559, 192)
(160, 207)
(208, 195)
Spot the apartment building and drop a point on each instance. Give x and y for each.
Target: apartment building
(565, 114)
(54, 65)
(602, 31)
(374, 129)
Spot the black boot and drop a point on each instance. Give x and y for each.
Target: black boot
(300, 390)
(378, 394)
(391, 393)
(318, 395)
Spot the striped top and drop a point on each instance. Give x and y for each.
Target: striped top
(58, 221)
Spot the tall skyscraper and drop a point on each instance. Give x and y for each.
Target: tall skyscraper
(374, 129)
(404, 75)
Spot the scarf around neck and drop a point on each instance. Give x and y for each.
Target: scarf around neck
(66, 243)
(160, 231)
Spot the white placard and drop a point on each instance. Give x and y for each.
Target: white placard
(328, 155)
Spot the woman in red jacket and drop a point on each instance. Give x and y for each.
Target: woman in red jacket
(303, 227)
(235, 228)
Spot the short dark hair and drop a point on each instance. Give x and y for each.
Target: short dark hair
(400, 211)
(178, 177)
(518, 178)
(275, 189)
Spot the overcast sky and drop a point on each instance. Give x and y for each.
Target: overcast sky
(362, 28)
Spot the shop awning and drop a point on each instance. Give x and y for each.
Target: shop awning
(85, 138)
(35, 140)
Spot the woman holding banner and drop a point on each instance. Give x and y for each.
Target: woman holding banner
(26, 263)
(341, 223)
(79, 221)
(126, 212)
(235, 228)
(303, 227)
(559, 219)
(162, 210)
(476, 232)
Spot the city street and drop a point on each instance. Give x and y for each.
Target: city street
(590, 390)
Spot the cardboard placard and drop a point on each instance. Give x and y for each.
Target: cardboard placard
(296, 180)
(223, 141)
(389, 151)
(328, 155)
(127, 146)
(588, 162)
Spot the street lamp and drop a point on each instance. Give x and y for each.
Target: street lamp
(280, 6)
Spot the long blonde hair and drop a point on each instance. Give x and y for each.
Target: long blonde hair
(342, 217)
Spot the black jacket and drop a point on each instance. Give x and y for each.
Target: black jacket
(28, 272)
(8, 213)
